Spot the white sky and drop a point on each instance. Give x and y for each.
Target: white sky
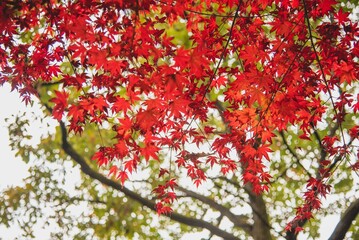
(9, 105)
(12, 169)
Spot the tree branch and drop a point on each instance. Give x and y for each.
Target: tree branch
(344, 224)
(238, 220)
(291, 234)
(86, 169)
(306, 17)
(260, 215)
(294, 154)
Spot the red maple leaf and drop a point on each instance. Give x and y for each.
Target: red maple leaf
(123, 176)
(60, 104)
(120, 104)
(100, 157)
(113, 170)
(150, 151)
(147, 119)
(263, 151)
(341, 16)
(233, 74)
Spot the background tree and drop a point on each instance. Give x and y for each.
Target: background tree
(253, 102)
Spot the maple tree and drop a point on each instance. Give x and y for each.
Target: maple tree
(251, 97)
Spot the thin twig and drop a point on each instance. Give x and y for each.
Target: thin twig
(306, 15)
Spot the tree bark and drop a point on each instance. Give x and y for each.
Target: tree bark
(345, 222)
(261, 227)
(238, 220)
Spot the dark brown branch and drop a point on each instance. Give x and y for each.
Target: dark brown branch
(323, 153)
(261, 224)
(86, 169)
(345, 222)
(338, 158)
(260, 215)
(221, 110)
(291, 235)
(223, 52)
(258, 206)
(306, 17)
(237, 220)
(294, 154)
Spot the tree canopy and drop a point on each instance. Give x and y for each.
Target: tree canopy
(236, 117)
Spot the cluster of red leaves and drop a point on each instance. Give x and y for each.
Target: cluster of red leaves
(165, 195)
(127, 71)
